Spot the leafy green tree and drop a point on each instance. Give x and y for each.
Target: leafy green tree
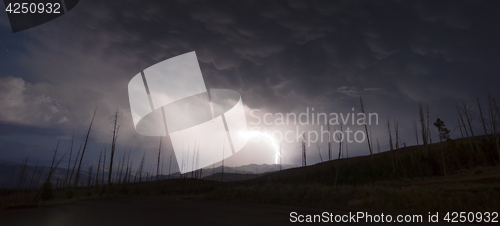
(444, 133)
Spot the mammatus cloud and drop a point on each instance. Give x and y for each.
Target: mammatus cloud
(352, 91)
(23, 104)
(348, 90)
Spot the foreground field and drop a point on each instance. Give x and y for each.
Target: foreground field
(474, 189)
(447, 176)
(160, 210)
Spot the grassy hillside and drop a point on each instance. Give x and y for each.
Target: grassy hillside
(410, 179)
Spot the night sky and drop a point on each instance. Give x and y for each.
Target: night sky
(281, 56)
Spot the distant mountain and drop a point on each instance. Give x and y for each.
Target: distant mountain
(12, 175)
(34, 176)
(245, 172)
(230, 173)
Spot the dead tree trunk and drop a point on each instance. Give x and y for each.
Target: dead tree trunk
(304, 162)
(329, 143)
(53, 160)
(460, 115)
(84, 148)
(97, 173)
(482, 118)
(280, 156)
(424, 128)
(390, 146)
(493, 119)
(396, 131)
(460, 127)
(103, 166)
(113, 147)
(20, 182)
(90, 177)
(74, 166)
(428, 125)
(319, 152)
(120, 168)
(169, 165)
(66, 181)
(415, 130)
(158, 164)
(366, 128)
(378, 146)
(33, 176)
(223, 145)
(468, 115)
(338, 163)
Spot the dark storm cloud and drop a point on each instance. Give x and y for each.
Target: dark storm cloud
(282, 56)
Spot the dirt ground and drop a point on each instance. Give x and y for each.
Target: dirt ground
(159, 210)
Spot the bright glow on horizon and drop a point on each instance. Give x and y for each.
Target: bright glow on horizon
(270, 138)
